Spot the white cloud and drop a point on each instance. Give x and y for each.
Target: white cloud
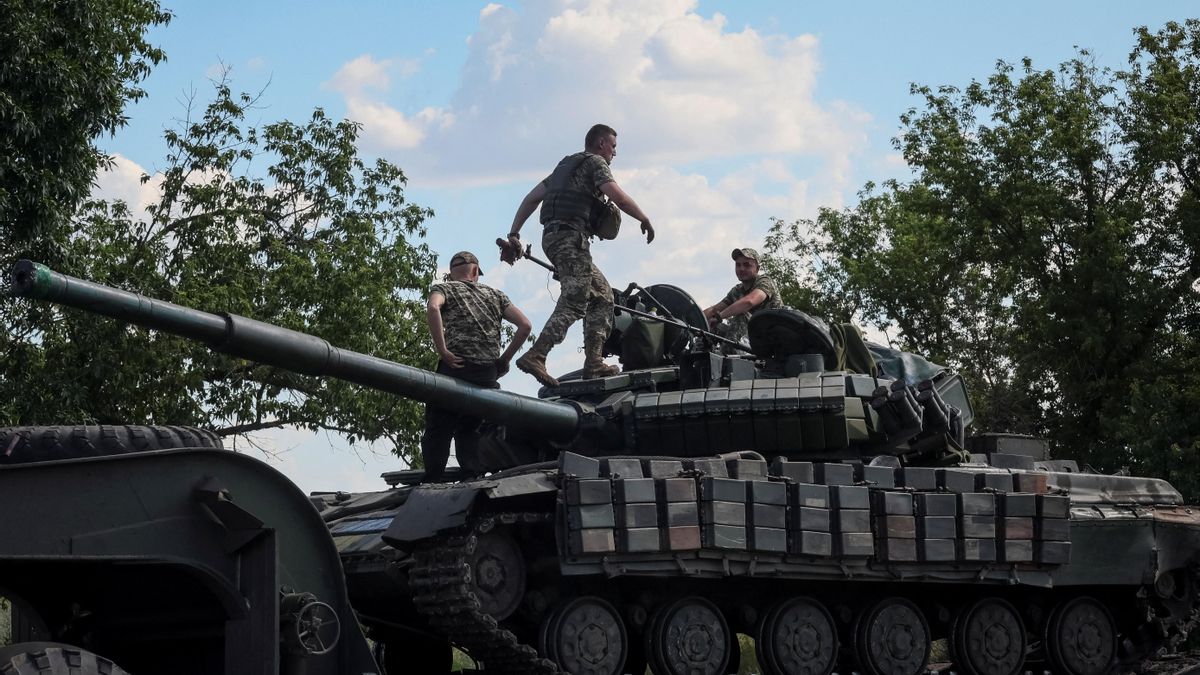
(123, 181)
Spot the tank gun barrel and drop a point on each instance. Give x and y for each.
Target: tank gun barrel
(295, 351)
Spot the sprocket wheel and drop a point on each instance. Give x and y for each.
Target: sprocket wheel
(498, 574)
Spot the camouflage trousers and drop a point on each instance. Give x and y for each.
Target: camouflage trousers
(584, 292)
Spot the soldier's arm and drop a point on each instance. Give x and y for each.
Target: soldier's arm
(711, 312)
(433, 315)
(517, 318)
(528, 205)
(626, 204)
(743, 304)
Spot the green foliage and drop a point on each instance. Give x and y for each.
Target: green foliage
(1048, 247)
(66, 72)
(284, 224)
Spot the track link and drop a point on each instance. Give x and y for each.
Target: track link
(441, 580)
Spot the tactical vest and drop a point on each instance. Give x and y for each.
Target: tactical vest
(562, 204)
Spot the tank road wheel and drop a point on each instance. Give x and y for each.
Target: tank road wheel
(52, 658)
(498, 574)
(989, 639)
(22, 445)
(586, 636)
(689, 637)
(1081, 638)
(797, 637)
(892, 638)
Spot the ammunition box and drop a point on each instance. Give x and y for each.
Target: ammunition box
(681, 514)
(990, 480)
(801, 472)
(586, 542)
(979, 550)
(1020, 505)
(1053, 552)
(677, 489)
(815, 496)
(853, 520)
(769, 515)
(937, 527)
(811, 519)
(898, 527)
(956, 480)
(766, 432)
(860, 385)
(977, 504)
(664, 468)
(813, 543)
(640, 540)
(919, 477)
(979, 527)
(714, 468)
(591, 516)
(723, 489)
(831, 473)
(856, 544)
(936, 550)
(1032, 482)
(724, 513)
(900, 550)
(727, 537)
(633, 516)
(571, 464)
(936, 504)
(771, 539)
(634, 490)
(850, 497)
(620, 467)
(1002, 460)
(1018, 528)
(683, 538)
(767, 492)
(1052, 529)
(895, 503)
(589, 491)
(1053, 506)
(883, 477)
(747, 469)
(716, 419)
(1017, 551)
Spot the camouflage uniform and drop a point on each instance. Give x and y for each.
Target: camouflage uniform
(736, 326)
(584, 291)
(471, 319)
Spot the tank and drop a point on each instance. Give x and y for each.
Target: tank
(843, 520)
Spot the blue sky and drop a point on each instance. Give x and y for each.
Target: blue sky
(729, 113)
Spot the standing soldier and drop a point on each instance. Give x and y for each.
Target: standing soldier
(568, 198)
(464, 322)
(753, 292)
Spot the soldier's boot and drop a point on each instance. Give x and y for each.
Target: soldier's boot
(534, 363)
(593, 362)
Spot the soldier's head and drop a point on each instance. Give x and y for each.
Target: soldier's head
(464, 266)
(602, 140)
(745, 264)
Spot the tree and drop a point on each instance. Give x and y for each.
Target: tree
(66, 71)
(283, 223)
(1048, 246)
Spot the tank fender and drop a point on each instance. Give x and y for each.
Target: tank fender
(523, 484)
(432, 509)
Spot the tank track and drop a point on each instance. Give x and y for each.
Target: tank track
(441, 580)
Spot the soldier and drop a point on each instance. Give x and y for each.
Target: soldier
(568, 198)
(753, 292)
(464, 322)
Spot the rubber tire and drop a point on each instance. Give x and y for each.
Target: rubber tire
(53, 658)
(24, 445)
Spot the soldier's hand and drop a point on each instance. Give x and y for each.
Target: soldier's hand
(502, 367)
(648, 230)
(450, 359)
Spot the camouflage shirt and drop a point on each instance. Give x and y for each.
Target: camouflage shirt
(763, 283)
(471, 319)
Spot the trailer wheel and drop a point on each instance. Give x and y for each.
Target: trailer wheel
(53, 658)
(23, 445)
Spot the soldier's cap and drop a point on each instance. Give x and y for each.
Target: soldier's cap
(463, 258)
(745, 253)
